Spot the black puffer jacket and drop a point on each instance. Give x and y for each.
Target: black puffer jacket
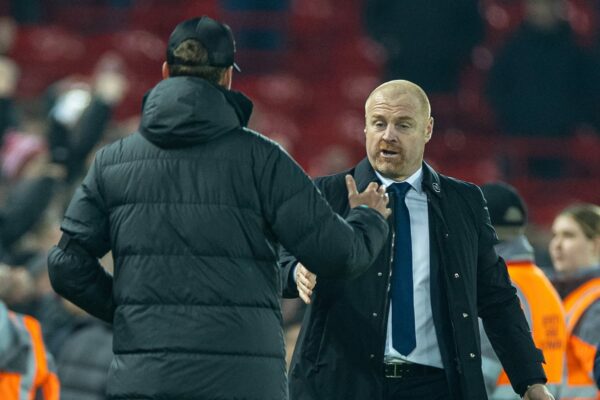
(192, 207)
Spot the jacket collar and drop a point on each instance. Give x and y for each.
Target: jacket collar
(364, 174)
(184, 111)
(241, 104)
(431, 181)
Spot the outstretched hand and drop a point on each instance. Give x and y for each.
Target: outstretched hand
(374, 196)
(305, 282)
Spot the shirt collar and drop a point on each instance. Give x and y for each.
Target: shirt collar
(415, 180)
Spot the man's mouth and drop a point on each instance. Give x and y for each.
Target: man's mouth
(388, 153)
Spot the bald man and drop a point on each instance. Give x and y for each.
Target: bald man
(408, 328)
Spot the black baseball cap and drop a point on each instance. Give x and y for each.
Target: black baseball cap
(216, 37)
(505, 205)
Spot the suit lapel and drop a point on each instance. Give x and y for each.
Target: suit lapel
(364, 174)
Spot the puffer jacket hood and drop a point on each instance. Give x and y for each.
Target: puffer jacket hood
(185, 111)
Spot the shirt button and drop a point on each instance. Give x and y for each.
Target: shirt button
(380, 274)
(456, 275)
(372, 356)
(465, 315)
(375, 314)
(446, 236)
(472, 355)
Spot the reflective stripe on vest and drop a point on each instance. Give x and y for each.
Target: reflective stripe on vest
(26, 388)
(546, 316)
(37, 377)
(46, 380)
(580, 354)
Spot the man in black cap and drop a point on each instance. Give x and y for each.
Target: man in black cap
(539, 300)
(192, 207)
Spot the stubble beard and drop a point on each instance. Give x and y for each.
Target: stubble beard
(391, 169)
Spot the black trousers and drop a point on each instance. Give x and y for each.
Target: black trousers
(428, 387)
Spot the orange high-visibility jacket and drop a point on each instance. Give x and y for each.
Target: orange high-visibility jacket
(580, 384)
(546, 316)
(30, 373)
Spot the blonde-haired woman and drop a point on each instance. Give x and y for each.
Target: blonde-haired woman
(575, 252)
(575, 245)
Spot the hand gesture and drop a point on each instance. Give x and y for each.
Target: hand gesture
(374, 196)
(538, 392)
(305, 282)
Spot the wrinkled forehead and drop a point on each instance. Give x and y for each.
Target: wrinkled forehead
(395, 103)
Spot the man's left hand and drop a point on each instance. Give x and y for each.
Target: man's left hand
(305, 282)
(538, 392)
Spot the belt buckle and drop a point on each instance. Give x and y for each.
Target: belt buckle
(396, 370)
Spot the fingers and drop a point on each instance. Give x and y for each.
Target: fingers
(374, 196)
(386, 213)
(304, 292)
(373, 186)
(382, 191)
(305, 282)
(351, 186)
(306, 278)
(304, 295)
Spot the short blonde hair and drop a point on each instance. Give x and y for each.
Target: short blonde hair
(399, 86)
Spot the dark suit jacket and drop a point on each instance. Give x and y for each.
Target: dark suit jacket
(340, 350)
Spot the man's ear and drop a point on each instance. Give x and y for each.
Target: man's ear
(165, 70)
(227, 78)
(429, 130)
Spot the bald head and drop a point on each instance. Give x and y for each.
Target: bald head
(393, 89)
(398, 124)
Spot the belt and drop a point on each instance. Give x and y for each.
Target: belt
(408, 370)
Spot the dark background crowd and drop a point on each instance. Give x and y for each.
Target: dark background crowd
(514, 87)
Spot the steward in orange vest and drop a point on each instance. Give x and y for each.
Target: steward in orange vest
(26, 370)
(539, 300)
(583, 323)
(597, 367)
(575, 252)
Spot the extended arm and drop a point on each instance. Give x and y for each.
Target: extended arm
(308, 228)
(502, 316)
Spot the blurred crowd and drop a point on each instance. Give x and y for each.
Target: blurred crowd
(536, 77)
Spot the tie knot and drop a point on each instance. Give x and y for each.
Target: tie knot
(400, 188)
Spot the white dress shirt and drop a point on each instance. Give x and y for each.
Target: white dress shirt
(427, 351)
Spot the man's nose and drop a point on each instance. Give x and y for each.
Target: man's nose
(390, 133)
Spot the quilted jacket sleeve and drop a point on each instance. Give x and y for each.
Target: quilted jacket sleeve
(501, 313)
(75, 272)
(307, 227)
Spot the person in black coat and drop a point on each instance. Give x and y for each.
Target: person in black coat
(357, 340)
(427, 41)
(193, 207)
(542, 82)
